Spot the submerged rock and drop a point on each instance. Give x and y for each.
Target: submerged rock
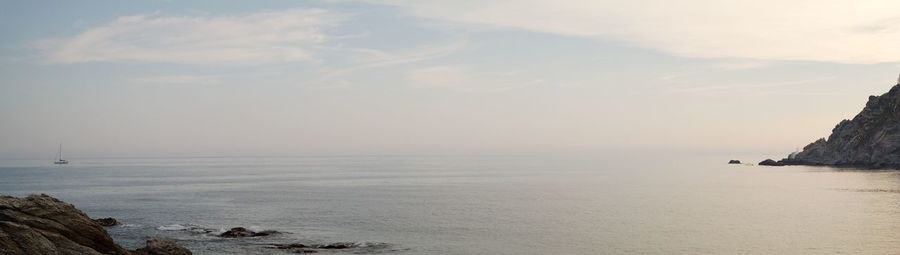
(290, 246)
(294, 248)
(871, 139)
(344, 247)
(312, 248)
(161, 247)
(266, 233)
(334, 246)
(188, 228)
(40, 224)
(734, 161)
(244, 232)
(106, 222)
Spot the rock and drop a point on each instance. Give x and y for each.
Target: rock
(107, 222)
(770, 162)
(302, 248)
(290, 246)
(243, 232)
(266, 233)
(734, 161)
(40, 224)
(294, 248)
(870, 140)
(237, 232)
(161, 247)
(340, 245)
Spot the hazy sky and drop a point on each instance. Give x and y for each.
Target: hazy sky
(179, 78)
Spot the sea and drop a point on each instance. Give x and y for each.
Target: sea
(510, 204)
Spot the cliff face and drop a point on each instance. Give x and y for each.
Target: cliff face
(871, 139)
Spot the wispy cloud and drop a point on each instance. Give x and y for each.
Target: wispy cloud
(266, 37)
(179, 79)
(373, 58)
(840, 31)
(754, 88)
(729, 65)
(460, 78)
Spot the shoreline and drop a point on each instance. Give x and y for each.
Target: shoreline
(42, 224)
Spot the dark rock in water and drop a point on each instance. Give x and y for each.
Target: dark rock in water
(266, 233)
(106, 222)
(347, 247)
(237, 232)
(295, 248)
(40, 224)
(734, 161)
(161, 247)
(290, 246)
(302, 248)
(770, 162)
(243, 232)
(871, 139)
(341, 245)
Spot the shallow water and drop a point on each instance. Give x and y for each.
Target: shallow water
(480, 205)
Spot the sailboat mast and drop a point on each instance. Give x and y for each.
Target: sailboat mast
(59, 159)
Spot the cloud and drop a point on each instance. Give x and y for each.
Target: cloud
(463, 79)
(438, 76)
(373, 59)
(758, 88)
(839, 31)
(266, 37)
(179, 79)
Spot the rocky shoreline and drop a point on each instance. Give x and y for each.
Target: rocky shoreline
(871, 140)
(40, 224)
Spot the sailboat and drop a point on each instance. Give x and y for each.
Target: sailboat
(59, 159)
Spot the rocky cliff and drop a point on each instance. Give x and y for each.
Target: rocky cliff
(870, 140)
(40, 224)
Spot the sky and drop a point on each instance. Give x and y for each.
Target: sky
(337, 77)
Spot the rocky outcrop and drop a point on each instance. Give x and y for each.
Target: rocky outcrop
(734, 161)
(40, 224)
(107, 222)
(770, 162)
(870, 140)
(244, 232)
(161, 247)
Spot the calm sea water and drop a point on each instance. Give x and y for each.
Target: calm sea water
(481, 205)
